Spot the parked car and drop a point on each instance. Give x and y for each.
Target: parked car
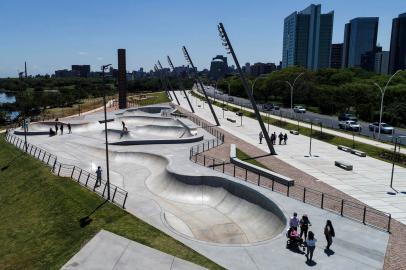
(346, 117)
(385, 128)
(350, 125)
(299, 109)
(230, 99)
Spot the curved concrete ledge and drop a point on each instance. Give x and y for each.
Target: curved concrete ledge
(160, 141)
(146, 109)
(284, 180)
(208, 208)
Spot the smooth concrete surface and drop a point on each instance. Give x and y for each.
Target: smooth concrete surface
(107, 250)
(355, 246)
(369, 181)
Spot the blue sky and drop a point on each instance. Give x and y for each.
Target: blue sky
(52, 34)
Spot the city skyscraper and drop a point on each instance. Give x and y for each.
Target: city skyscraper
(307, 38)
(336, 58)
(397, 54)
(360, 36)
(218, 67)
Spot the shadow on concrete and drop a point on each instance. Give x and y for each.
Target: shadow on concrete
(84, 221)
(329, 252)
(311, 263)
(5, 167)
(251, 158)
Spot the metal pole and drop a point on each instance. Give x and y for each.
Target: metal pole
(168, 82)
(189, 60)
(227, 43)
(105, 131)
(311, 132)
(393, 162)
(181, 84)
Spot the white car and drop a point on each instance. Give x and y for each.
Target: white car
(350, 125)
(299, 109)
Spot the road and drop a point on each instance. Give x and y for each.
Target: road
(325, 120)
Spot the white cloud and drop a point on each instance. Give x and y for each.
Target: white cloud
(82, 53)
(99, 58)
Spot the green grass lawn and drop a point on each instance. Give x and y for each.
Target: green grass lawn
(371, 150)
(152, 98)
(247, 158)
(40, 213)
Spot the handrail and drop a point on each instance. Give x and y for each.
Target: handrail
(83, 177)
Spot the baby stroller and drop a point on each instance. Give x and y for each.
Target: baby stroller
(294, 241)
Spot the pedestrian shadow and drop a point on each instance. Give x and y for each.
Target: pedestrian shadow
(311, 263)
(5, 167)
(329, 252)
(84, 221)
(251, 158)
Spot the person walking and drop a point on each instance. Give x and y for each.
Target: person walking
(329, 233)
(280, 138)
(98, 176)
(311, 245)
(61, 128)
(69, 128)
(123, 124)
(285, 138)
(261, 135)
(56, 128)
(304, 226)
(274, 138)
(294, 221)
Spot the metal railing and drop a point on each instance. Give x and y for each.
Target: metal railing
(346, 208)
(83, 177)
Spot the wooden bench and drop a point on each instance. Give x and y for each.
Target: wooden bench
(344, 165)
(358, 153)
(344, 148)
(231, 120)
(294, 132)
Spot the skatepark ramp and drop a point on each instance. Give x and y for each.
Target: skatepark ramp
(208, 208)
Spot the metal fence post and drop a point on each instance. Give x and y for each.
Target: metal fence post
(259, 178)
(87, 179)
(104, 189)
(273, 184)
(304, 195)
(342, 206)
(53, 167)
(73, 170)
(60, 165)
(223, 166)
(125, 199)
(287, 192)
(213, 163)
(234, 171)
(114, 194)
(49, 157)
(322, 201)
(365, 212)
(80, 174)
(389, 220)
(246, 174)
(204, 160)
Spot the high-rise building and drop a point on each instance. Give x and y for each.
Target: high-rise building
(307, 38)
(122, 79)
(262, 68)
(81, 70)
(359, 48)
(381, 65)
(336, 57)
(397, 55)
(218, 67)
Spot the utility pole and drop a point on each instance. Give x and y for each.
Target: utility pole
(167, 81)
(181, 84)
(189, 60)
(229, 47)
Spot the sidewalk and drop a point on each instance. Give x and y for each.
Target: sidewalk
(325, 129)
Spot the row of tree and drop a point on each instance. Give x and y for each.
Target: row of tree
(330, 91)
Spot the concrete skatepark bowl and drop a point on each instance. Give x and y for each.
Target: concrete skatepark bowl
(210, 209)
(144, 126)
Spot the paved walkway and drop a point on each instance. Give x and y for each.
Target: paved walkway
(107, 250)
(368, 182)
(325, 129)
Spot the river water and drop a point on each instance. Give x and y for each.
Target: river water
(8, 98)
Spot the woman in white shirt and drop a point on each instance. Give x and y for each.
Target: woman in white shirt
(311, 245)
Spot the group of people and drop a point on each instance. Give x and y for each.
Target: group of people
(61, 126)
(306, 238)
(282, 138)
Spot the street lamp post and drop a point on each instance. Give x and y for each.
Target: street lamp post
(292, 88)
(394, 157)
(104, 67)
(383, 90)
(311, 132)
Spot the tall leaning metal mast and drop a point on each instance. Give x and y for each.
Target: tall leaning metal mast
(229, 47)
(189, 60)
